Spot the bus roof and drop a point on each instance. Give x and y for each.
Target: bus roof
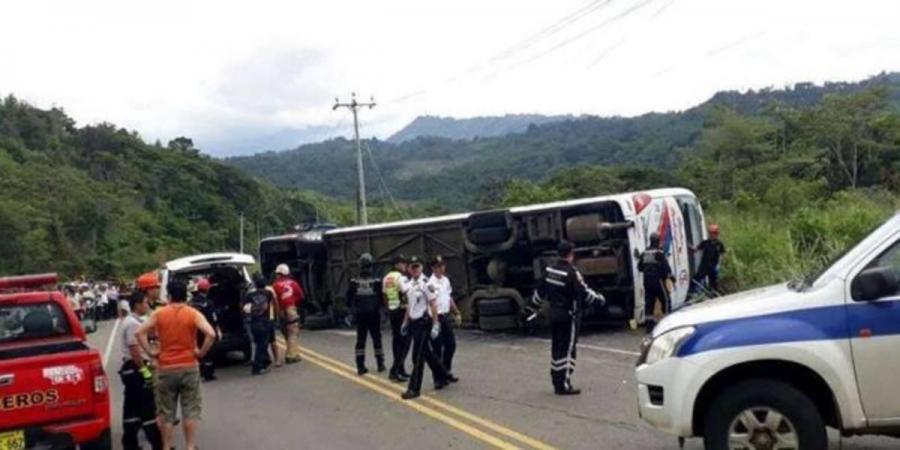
(623, 197)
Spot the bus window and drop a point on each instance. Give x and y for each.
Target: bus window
(693, 228)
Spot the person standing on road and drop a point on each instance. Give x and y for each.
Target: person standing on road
(178, 375)
(138, 404)
(422, 321)
(364, 298)
(441, 289)
(657, 282)
(202, 303)
(712, 250)
(395, 302)
(290, 296)
(149, 284)
(259, 307)
(568, 295)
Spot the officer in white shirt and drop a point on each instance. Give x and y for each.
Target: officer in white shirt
(422, 321)
(441, 290)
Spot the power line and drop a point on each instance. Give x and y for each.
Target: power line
(385, 190)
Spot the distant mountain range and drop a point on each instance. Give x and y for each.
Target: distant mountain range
(448, 127)
(450, 169)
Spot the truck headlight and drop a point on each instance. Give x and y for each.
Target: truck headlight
(667, 344)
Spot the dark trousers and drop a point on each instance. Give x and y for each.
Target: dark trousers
(261, 330)
(423, 353)
(399, 343)
(368, 323)
(208, 363)
(445, 344)
(138, 409)
(563, 352)
(652, 293)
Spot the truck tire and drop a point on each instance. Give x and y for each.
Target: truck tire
(488, 236)
(104, 442)
(496, 307)
(774, 410)
(489, 219)
(497, 323)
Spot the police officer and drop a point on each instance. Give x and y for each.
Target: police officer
(568, 294)
(421, 321)
(364, 297)
(395, 302)
(657, 281)
(445, 344)
(202, 303)
(138, 406)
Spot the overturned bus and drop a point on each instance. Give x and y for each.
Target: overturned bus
(495, 259)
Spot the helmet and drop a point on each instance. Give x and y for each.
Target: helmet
(713, 229)
(438, 260)
(203, 285)
(366, 260)
(283, 269)
(147, 281)
(565, 248)
(654, 240)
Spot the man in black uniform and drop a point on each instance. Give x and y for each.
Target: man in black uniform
(711, 250)
(657, 277)
(568, 294)
(202, 303)
(364, 297)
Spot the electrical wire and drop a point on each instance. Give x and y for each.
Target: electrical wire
(385, 190)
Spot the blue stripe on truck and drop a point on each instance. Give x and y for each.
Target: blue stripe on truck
(814, 324)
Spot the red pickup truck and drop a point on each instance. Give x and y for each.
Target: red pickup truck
(53, 389)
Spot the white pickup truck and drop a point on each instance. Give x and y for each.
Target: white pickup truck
(773, 367)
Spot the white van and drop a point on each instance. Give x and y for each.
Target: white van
(230, 278)
(773, 367)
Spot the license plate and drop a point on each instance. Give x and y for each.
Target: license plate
(12, 440)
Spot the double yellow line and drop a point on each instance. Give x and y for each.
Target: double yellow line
(502, 437)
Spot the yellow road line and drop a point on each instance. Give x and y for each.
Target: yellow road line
(364, 381)
(512, 434)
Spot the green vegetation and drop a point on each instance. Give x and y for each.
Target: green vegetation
(98, 201)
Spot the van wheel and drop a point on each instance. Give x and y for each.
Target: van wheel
(497, 307)
(764, 414)
(498, 323)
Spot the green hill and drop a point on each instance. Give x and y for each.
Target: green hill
(453, 173)
(99, 201)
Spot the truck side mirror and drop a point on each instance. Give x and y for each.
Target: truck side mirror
(874, 283)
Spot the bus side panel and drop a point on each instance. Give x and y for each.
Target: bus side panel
(663, 216)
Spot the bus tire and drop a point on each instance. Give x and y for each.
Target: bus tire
(498, 323)
(497, 307)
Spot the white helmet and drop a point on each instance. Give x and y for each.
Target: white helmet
(283, 269)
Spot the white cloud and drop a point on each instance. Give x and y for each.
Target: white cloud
(240, 77)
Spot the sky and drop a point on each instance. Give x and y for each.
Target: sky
(245, 77)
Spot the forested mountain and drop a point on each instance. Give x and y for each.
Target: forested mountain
(99, 201)
(448, 127)
(453, 173)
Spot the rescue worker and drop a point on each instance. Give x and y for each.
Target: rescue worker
(202, 303)
(138, 405)
(259, 307)
(364, 298)
(712, 250)
(568, 294)
(441, 289)
(290, 296)
(657, 282)
(421, 321)
(395, 302)
(149, 284)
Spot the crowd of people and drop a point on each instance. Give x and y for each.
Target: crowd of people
(97, 300)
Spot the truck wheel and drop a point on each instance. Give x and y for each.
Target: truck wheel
(318, 321)
(104, 442)
(488, 236)
(764, 414)
(496, 307)
(497, 323)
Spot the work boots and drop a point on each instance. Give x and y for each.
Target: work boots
(380, 359)
(361, 365)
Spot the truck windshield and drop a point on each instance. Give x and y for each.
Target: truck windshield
(32, 321)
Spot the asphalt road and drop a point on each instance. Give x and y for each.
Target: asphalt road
(504, 400)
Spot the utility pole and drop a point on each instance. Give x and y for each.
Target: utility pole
(242, 232)
(362, 215)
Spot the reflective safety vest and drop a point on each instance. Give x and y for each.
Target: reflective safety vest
(391, 288)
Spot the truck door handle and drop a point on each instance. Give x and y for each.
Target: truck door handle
(7, 379)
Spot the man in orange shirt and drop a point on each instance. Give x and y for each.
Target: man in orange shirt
(178, 373)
